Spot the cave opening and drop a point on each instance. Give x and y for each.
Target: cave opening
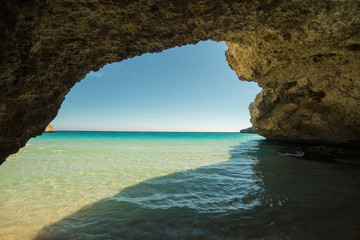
(305, 62)
(183, 89)
(303, 54)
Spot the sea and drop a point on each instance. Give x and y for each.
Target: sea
(160, 185)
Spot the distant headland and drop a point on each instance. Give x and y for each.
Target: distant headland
(248, 130)
(49, 129)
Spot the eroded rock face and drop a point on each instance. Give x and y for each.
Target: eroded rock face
(304, 54)
(310, 97)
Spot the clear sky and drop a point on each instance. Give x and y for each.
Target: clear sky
(189, 88)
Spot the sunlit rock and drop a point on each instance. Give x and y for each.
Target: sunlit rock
(49, 129)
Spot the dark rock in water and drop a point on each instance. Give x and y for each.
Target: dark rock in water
(248, 130)
(331, 153)
(318, 152)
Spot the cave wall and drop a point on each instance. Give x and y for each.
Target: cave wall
(304, 54)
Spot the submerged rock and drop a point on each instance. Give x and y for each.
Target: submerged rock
(330, 153)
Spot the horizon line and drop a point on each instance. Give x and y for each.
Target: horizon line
(148, 131)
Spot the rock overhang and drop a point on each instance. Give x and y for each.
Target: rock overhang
(304, 55)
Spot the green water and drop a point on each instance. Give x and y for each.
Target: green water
(102, 185)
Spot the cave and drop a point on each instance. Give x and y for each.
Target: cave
(304, 55)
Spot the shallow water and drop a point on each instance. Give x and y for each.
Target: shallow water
(83, 185)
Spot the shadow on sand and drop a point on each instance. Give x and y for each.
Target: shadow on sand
(258, 193)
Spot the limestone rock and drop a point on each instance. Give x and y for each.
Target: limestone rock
(49, 129)
(304, 54)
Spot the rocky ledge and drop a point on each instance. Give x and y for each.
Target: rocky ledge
(304, 55)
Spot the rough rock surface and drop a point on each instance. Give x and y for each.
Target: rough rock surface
(304, 54)
(49, 129)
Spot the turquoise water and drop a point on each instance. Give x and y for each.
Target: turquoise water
(102, 185)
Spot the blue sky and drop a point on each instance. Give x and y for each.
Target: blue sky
(189, 88)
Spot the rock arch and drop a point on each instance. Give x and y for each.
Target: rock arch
(304, 54)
